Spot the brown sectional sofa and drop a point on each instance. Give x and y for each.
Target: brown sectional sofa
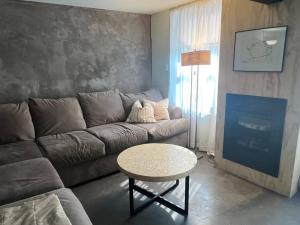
(81, 137)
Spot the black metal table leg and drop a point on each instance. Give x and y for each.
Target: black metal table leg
(131, 200)
(187, 193)
(158, 198)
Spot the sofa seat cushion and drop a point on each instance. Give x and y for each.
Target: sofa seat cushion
(18, 151)
(165, 128)
(26, 179)
(65, 150)
(15, 123)
(102, 107)
(70, 203)
(56, 116)
(119, 136)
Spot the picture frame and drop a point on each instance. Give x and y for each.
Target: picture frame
(260, 50)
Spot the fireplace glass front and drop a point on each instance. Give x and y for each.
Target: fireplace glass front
(254, 131)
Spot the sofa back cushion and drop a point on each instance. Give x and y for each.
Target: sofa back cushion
(15, 123)
(102, 107)
(130, 98)
(55, 116)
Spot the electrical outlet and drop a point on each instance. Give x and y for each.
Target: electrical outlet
(167, 67)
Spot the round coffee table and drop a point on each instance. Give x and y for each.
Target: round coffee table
(157, 163)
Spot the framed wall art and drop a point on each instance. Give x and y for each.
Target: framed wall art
(260, 50)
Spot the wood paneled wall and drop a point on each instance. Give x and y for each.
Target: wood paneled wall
(243, 15)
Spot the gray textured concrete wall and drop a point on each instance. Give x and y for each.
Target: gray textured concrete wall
(55, 51)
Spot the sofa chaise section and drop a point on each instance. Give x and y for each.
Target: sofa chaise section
(27, 178)
(19, 151)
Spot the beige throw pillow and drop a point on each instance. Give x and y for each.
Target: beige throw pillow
(161, 111)
(46, 210)
(140, 114)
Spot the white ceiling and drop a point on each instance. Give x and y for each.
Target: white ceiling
(135, 6)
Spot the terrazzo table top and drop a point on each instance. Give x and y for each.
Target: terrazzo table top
(157, 162)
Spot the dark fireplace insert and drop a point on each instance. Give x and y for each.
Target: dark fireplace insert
(253, 131)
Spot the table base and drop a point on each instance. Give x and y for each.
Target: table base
(158, 198)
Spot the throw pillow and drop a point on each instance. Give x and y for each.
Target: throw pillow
(46, 210)
(130, 98)
(161, 111)
(140, 114)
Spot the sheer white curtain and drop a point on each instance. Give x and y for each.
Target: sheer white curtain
(196, 27)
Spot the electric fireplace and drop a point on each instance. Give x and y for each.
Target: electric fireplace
(254, 131)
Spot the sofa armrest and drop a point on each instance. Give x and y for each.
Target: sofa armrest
(175, 112)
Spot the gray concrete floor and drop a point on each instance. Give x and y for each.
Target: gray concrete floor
(216, 198)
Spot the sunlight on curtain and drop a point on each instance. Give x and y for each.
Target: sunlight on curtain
(196, 27)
